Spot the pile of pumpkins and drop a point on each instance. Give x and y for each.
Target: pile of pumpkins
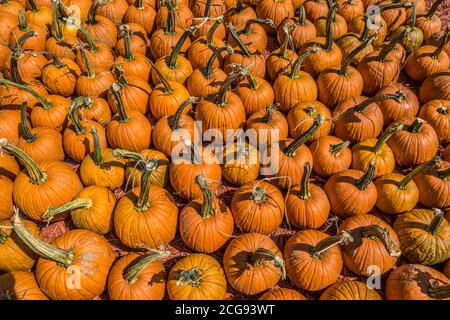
(97, 96)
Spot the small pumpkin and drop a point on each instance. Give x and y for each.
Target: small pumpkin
(113, 9)
(96, 109)
(100, 27)
(338, 24)
(60, 76)
(430, 23)
(349, 290)
(414, 37)
(182, 14)
(330, 155)
(282, 294)
(436, 113)
(433, 185)
(142, 13)
(253, 35)
(276, 10)
(35, 43)
(435, 87)
(239, 14)
(20, 285)
(241, 163)
(301, 30)
(279, 61)
(316, 8)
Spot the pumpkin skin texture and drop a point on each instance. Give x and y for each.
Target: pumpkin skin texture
(54, 117)
(436, 113)
(349, 290)
(264, 121)
(424, 236)
(247, 271)
(196, 277)
(413, 282)
(6, 194)
(436, 87)
(301, 117)
(277, 11)
(282, 294)
(150, 283)
(434, 186)
(9, 125)
(20, 285)
(14, 254)
(301, 30)
(99, 111)
(165, 101)
(258, 207)
(446, 154)
(9, 168)
(61, 77)
(304, 269)
(330, 155)
(241, 163)
(374, 243)
(159, 177)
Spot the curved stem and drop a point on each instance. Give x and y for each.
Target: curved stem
(142, 201)
(391, 6)
(74, 117)
(268, 117)
(383, 53)
(439, 292)
(23, 24)
(433, 227)
(132, 272)
(91, 13)
(412, 21)
(343, 71)
(433, 9)
(174, 121)
(127, 44)
(209, 65)
(211, 31)
(318, 251)
(58, 35)
(170, 27)
(363, 182)
(365, 32)
(363, 105)
(222, 95)
(442, 44)
(90, 72)
(262, 254)
(238, 40)
(253, 84)
(172, 59)
(304, 193)
(383, 235)
(81, 203)
(47, 105)
(297, 65)
(123, 117)
(290, 150)
(376, 149)
(336, 149)
(331, 16)
(24, 129)
(167, 88)
(207, 209)
(420, 168)
(87, 36)
(284, 44)
(248, 24)
(97, 154)
(121, 153)
(118, 71)
(41, 248)
(301, 16)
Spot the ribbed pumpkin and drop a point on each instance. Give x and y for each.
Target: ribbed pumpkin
(277, 10)
(241, 163)
(6, 193)
(301, 116)
(301, 30)
(436, 87)
(330, 155)
(282, 294)
(437, 114)
(9, 168)
(60, 76)
(434, 186)
(349, 290)
(253, 35)
(20, 285)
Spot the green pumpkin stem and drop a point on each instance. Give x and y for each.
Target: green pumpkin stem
(336, 149)
(174, 121)
(121, 153)
(383, 235)
(212, 31)
(253, 84)
(282, 53)
(172, 58)
(290, 150)
(74, 114)
(248, 24)
(81, 203)
(304, 193)
(439, 292)
(442, 44)
(226, 85)
(91, 13)
(139, 4)
(433, 9)
(167, 88)
(41, 248)
(118, 71)
(3, 238)
(262, 254)
(209, 65)
(444, 174)
(318, 251)
(433, 227)
(376, 149)
(412, 21)
(297, 65)
(207, 12)
(24, 129)
(388, 48)
(97, 154)
(57, 34)
(268, 117)
(87, 36)
(363, 182)
(142, 201)
(391, 6)
(207, 209)
(90, 73)
(170, 26)
(127, 43)
(343, 70)
(132, 272)
(363, 105)
(123, 117)
(420, 168)
(365, 33)
(244, 50)
(331, 16)
(61, 10)
(33, 6)
(301, 20)
(191, 277)
(23, 24)
(46, 105)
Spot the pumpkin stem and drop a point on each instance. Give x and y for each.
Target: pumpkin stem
(62, 10)
(442, 44)
(41, 248)
(46, 105)
(209, 65)
(170, 27)
(377, 232)
(297, 65)
(253, 84)
(74, 114)
(33, 6)
(436, 222)
(259, 195)
(167, 88)
(142, 201)
(383, 53)
(172, 58)
(57, 34)
(212, 30)
(304, 193)
(444, 174)
(139, 4)
(122, 153)
(123, 117)
(394, 5)
(412, 21)
(118, 71)
(207, 209)
(127, 43)
(439, 292)
(192, 277)
(235, 36)
(363, 182)
(222, 95)
(3, 238)
(132, 272)
(343, 70)
(90, 72)
(24, 129)
(268, 117)
(290, 150)
(331, 16)
(365, 32)
(336, 149)
(239, 6)
(376, 149)
(301, 16)
(363, 105)
(87, 36)
(284, 44)
(262, 254)
(420, 168)
(207, 12)
(433, 9)
(416, 126)
(174, 121)
(81, 203)
(91, 13)
(23, 24)
(97, 154)
(248, 24)
(318, 251)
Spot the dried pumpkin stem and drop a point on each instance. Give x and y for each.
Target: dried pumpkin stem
(365, 32)
(23, 24)
(420, 168)
(343, 70)
(363, 182)
(301, 20)
(363, 105)
(209, 65)
(248, 24)
(290, 150)
(336, 149)
(24, 129)
(132, 272)
(207, 209)
(439, 292)
(433, 227)
(391, 45)
(97, 154)
(376, 149)
(433, 9)
(226, 85)
(57, 34)
(212, 31)
(172, 58)
(74, 115)
(320, 248)
(47, 105)
(259, 195)
(174, 121)
(127, 44)
(90, 72)
(416, 126)
(41, 248)
(282, 53)
(33, 5)
(444, 174)
(167, 88)
(192, 277)
(62, 11)
(118, 71)
(268, 117)
(304, 193)
(170, 26)
(87, 36)
(383, 235)
(442, 44)
(81, 203)
(123, 117)
(244, 50)
(91, 13)
(297, 65)
(262, 254)
(142, 201)
(253, 84)
(331, 16)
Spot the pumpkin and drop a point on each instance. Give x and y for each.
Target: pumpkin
(253, 263)
(433, 185)
(414, 144)
(349, 9)
(279, 60)
(9, 168)
(313, 259)
(436, 113)
(301, 30)
(15, 256)
(141, 13)
(6, 192)
(416, 282)
(113, 10)
(414, 37)
(374, 243)
(330, 155)
(349, 290)
(196, 277)
(239, 14)
(9, 124)
(297, 86)
(138, 277)
(395, 14)
(39, 143)
(66, 256)
(424, 236)
(446, 154)
(282, 294)
(359, 26)
(20, 285)
(60, 43)
(307, 205)
(51, 182)
(194, 160)
(446, 270)
(35, 43)
(182, 14)
(276, 10)
(138, 39)
(129, 130)
(430, 23)
(60, 76)
(209, 217)
(351, 192)
(301, 116)
(435, 87)
(200, 7)
(96, 109)
(142, 207)
(240, 163)
(316, 8)
(338, 24)
(366, 151)
(100, 27)
(253, 35)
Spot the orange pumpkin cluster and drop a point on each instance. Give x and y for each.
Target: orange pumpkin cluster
(360, 171)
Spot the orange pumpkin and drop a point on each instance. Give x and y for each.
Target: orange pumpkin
(349, 290)
(20, 285)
